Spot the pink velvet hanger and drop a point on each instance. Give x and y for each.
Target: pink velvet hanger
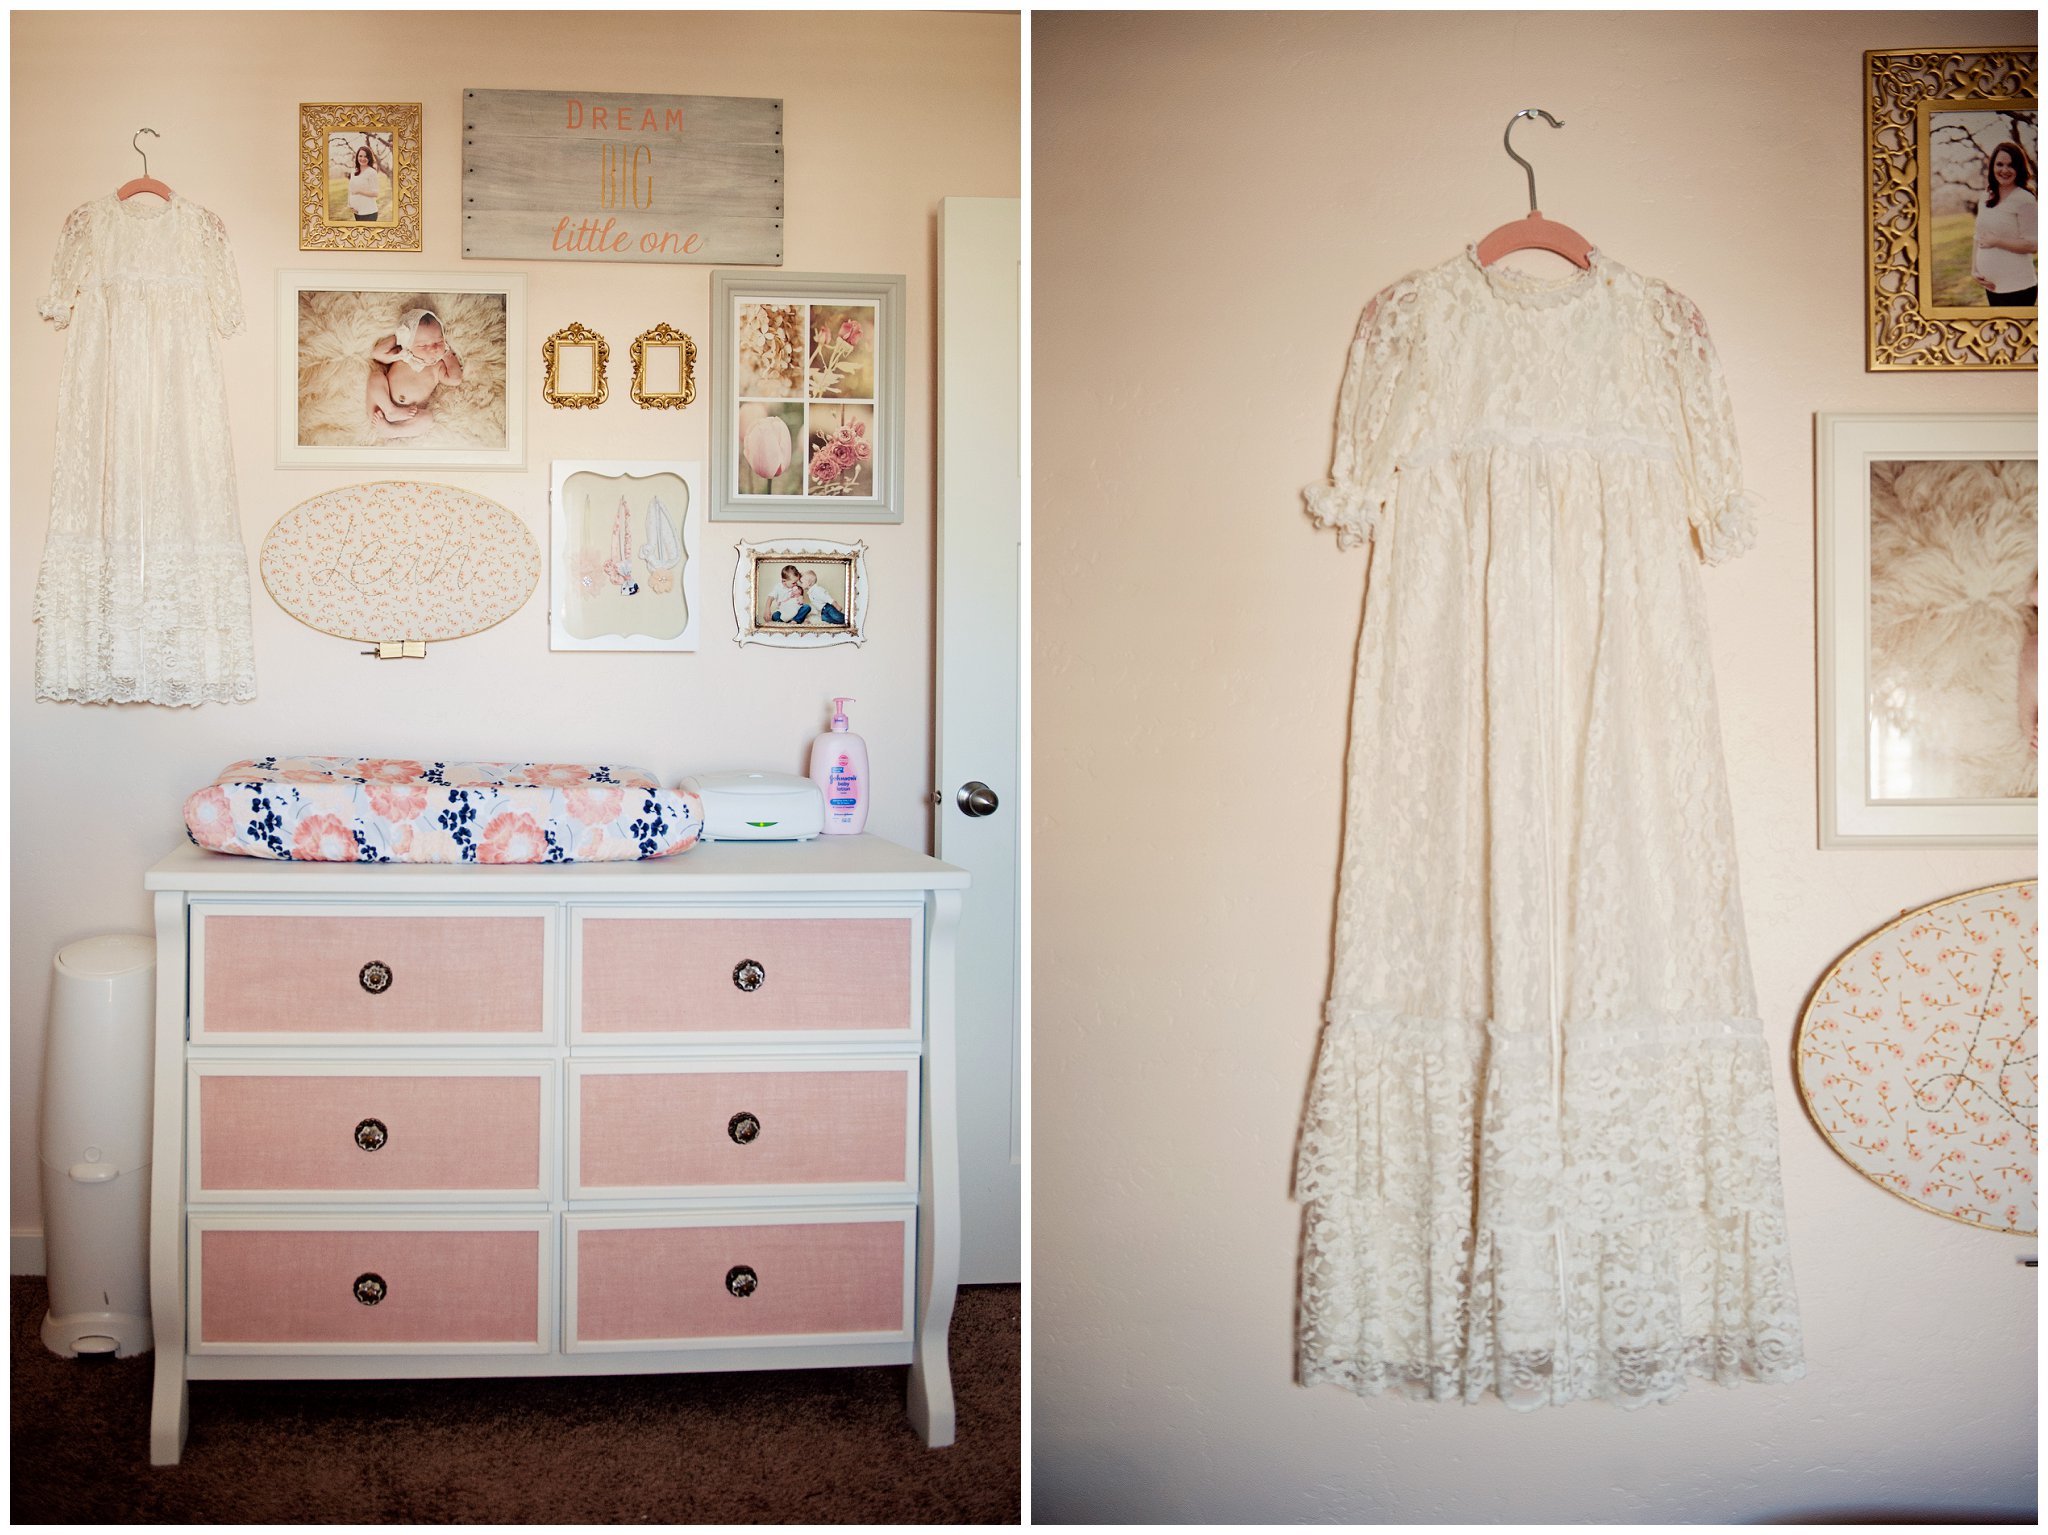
(145, 182)
(1534, 232)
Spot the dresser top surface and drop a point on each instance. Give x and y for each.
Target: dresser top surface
(824, 864)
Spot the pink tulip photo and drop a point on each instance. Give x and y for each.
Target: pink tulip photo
(766, 447)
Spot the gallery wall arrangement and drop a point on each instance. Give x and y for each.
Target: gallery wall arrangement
(431, 360)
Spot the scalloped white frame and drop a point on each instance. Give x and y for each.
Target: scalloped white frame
(743, 595)
(1845, 446)
(691, 531)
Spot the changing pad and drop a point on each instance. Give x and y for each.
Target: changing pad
(394, 810)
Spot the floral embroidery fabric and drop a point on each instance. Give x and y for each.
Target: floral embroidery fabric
(143, 595)
(1540, 1154)
(394, 810)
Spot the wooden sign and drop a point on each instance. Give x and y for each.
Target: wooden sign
(396, 561)
(603, 176)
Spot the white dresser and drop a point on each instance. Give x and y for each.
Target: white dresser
(695, 1113)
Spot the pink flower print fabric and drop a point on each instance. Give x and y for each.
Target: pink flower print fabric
(396, 810)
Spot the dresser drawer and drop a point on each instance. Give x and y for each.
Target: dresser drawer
(336, 974)
(643, 974)
(742, 1126)
(758, 1277)
(405, 1132)
(336, 1286)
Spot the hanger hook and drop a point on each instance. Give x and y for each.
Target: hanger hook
(1507, 139)
(138, 133)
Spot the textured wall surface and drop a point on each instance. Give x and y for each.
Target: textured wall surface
(1215, 198)
(885, 115)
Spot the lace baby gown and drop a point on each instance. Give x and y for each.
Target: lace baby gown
(1540, 1156)
(143, 595)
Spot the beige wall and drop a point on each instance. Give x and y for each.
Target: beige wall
(1214, 199)
(884, 115)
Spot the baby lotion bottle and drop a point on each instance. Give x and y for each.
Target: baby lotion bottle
(839, 767)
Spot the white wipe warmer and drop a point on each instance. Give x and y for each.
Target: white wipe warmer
(758, 807)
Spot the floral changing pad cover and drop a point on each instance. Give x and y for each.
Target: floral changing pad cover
(395, 810)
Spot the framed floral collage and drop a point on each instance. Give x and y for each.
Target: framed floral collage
(807, 416)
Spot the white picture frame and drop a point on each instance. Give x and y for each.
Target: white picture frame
(842, 571)
(1849, 451)
(588, 606)
(324, 418)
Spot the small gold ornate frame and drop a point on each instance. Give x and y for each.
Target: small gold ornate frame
(572, 336)
(329, 134)
(1905, 88)
(667, 336)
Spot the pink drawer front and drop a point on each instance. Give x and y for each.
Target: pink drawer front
(648, 1130)
(319, 973)
(654, 975)
(438, 1287)
(369, 1133)
(655, 1283)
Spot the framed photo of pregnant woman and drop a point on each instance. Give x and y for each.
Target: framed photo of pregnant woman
(1953, 148)
(359, 176)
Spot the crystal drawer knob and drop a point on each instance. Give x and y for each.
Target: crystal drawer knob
(375, 977)
(742, 1281)
(743, 1128)
(369, 1288)
(371, 1134)
(749, 975)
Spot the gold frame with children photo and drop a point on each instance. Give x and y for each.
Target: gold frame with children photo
(800, 596)
(417, 370)
(360, 176)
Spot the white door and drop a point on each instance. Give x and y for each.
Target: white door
(979, 521)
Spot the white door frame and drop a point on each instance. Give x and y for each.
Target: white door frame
(978, 702)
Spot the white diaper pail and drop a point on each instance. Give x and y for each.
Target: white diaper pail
(97, 1112)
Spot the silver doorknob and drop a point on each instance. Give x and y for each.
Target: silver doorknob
(978, 799)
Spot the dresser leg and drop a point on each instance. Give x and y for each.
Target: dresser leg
(938, 1244)
(931, 1396)
(169, 1417)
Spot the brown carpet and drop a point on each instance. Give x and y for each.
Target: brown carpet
(803, 1446)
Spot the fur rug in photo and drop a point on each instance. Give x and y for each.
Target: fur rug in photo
(1952, 561)
(339, 329)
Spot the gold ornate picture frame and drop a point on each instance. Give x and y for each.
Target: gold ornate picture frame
(1936, 119)
(360, 176)
(573, 361)
(651, 368)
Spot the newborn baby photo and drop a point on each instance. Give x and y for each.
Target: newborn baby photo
(405, 369)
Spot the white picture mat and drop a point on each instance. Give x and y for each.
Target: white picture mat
(1845, 447)
(292, 454)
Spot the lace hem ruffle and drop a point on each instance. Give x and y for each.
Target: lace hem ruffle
(1730, 530)
(1644, 1313)
(1462, 1236)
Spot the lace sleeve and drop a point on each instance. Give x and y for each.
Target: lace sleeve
(1371, 411)
(223, 284)
(1722, 513)
(68, 271)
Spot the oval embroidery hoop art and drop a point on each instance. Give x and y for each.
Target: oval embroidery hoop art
(400, 563)
(1915, 1057)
